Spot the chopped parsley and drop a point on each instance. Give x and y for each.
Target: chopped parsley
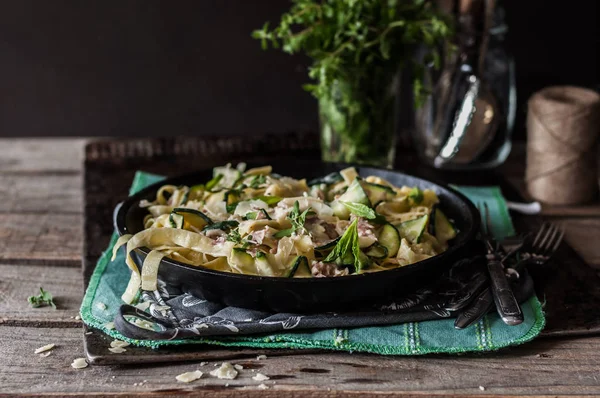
(257, 181)
(297, 219)
(416, 195)
(42, 299)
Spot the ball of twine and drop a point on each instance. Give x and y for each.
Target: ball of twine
(563, 123)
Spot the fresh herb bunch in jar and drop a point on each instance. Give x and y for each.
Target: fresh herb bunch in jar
(358, 48)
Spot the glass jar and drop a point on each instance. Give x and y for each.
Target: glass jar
(358, 120)
(493, 101)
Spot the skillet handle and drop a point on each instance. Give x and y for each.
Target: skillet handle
(132, 331)
(115, 214)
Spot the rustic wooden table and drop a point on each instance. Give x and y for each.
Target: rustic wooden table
(41, 245)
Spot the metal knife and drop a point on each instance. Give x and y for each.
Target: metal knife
(482, 304)
(506, 304)
(464, 296)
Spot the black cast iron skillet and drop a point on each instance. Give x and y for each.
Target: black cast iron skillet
(306, 294)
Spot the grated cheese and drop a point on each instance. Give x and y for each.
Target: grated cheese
(117, 350)
(203, 363)
(47, 347)
(188, 377)
(263, 386)
(260, 377)
(258, 358)
(225, 371)
(119, 344)
(143, 306)
(79, 363)
(45, 354)
(238, 367)
(101, 306)
(109, 325)
(144, 324)
(77, 318)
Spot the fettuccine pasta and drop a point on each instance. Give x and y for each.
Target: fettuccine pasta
(257, 222)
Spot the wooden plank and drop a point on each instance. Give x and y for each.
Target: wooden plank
(41, 193)
(40, 238)
(546, 366)
(18, 282)
(583, 235)
(41, 155)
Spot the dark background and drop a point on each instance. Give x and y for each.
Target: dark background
(136, 68)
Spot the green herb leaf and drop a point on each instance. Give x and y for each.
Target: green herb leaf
(360, 210)
(298, 219)
(225, 226)
(269, 200)
(44, 298)
(257, 181)
(213, 183)
(234, 236)
(365, 39)
(348, 249)
(284, 233)
(416, 195)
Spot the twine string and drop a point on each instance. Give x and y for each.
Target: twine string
(563, 124)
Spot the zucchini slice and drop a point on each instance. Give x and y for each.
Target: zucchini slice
(444, 230)
(196, 192)
(232, 198)
(356, 194)
(300, 261)
(377, 193)
(190, 217)
(263, 265)
(303, 270)
(349, 174)
(412, 230)
(241, 261)
(176, 220)
(390, 239)
(377, 251)
(431, 226)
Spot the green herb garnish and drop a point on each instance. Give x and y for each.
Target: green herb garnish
(416, 195)
(360, 210)
(269, 200)
(347, 250)
(44, 298)
(357, 48)
(213, 183)
(252, 215)
(225, 226)
(257, 181)
(297, 219)
(234, 236)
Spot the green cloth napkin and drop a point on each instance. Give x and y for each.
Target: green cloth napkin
(103, 298)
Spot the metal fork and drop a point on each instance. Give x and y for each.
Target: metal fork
(506, 304)
(545, 243)
(499, 292)
(510, 245)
